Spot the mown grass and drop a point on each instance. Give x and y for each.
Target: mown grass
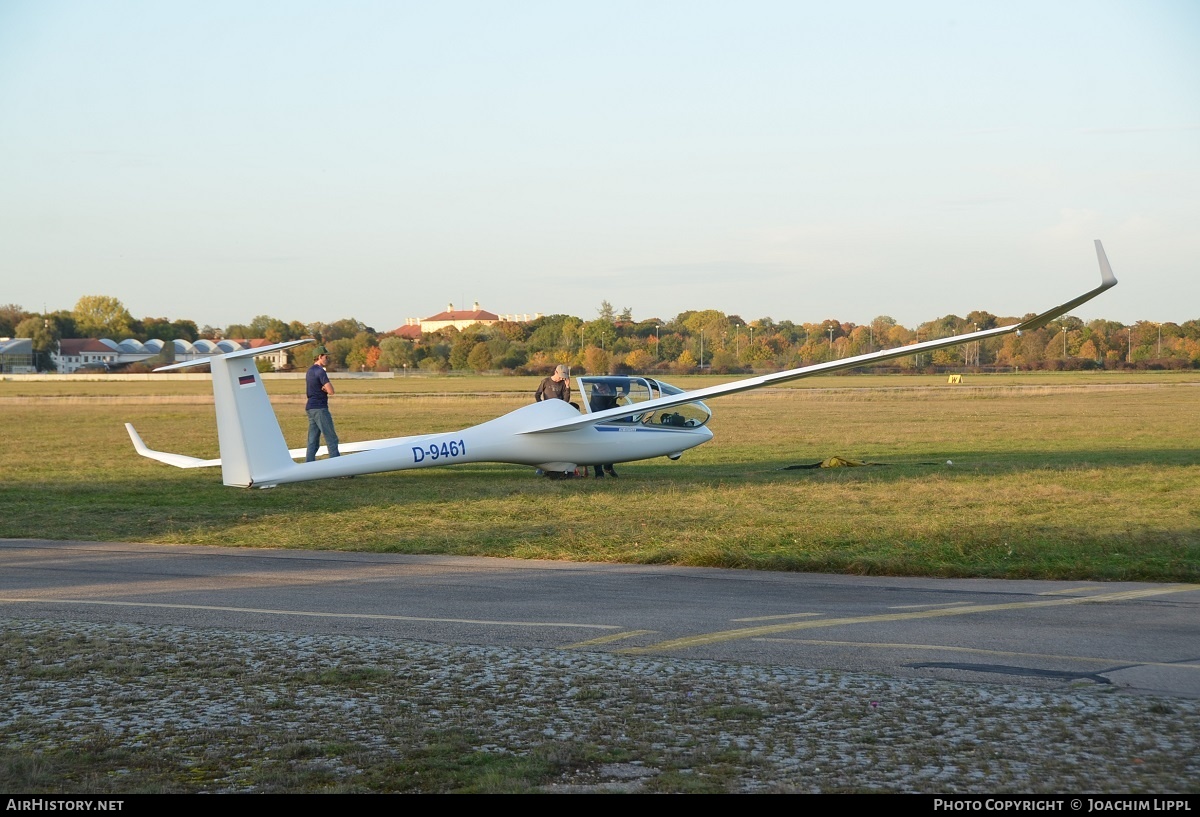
(461, 383)
(1068, 476)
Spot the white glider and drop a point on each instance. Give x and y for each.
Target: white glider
(650, 419)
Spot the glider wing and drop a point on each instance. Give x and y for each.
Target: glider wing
(1107, 281)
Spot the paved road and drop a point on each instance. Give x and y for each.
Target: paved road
(1134, 636)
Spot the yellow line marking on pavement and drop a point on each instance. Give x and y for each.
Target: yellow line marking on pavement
(773, 629)
(313, 614)
(936, 648)
(608, 639)
(927, 606)
(775, 618)
(1066, 591)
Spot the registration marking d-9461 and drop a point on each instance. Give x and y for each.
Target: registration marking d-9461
(445, 451)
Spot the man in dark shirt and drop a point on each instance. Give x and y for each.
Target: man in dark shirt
(320, 421)
(555, 387)
(604, 398)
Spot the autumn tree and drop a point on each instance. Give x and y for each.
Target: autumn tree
(596, 360)
(338, 330)
(433, 363)
(510, 330)
(480, 359)
(44, 336)
(461, 350)
(708, 320)
(507, 354)
(373, 355)
(600, 332)
(154, 328)
(339, 351)
(10, 316)
(639, 360)
(670, 346)
(551, 332)
(102, 316)
(540, 363)
(755, 354)
(396, 353)
(358, 355)
(271, 329)
(724, 362)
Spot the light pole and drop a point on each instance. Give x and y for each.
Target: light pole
(701, 351)
(657, 342)
(831, 343)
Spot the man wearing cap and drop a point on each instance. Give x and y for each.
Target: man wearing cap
(555, 387)
(320, 421)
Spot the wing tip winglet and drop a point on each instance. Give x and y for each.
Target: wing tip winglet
(1107, 278)
(1107, 281)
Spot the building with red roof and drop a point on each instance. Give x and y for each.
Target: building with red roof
(458, 318)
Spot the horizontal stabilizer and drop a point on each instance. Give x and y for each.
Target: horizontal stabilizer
(255, 352)
(178, 460)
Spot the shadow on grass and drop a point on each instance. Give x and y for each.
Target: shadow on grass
(1012, 515)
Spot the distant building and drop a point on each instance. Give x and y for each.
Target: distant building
(411, 329)
(16, 356)
(75, 353)
(458, 318)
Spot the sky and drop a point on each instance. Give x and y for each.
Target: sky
(312, 161)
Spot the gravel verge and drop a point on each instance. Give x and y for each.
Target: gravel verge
(127, 708)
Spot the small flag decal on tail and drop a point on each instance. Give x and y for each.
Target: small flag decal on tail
(246, 381)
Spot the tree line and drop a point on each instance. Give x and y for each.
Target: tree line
(704, 340)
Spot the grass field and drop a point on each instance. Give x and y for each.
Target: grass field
(1080, 476)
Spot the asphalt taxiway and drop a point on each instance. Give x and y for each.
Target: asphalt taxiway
(1132, 636)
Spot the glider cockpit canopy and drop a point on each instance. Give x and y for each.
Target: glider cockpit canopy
(603, 392)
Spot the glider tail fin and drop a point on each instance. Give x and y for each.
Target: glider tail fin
(253, 451)
(252, 446)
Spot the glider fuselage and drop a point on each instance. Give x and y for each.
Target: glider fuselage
(622, 419)
(510, 438)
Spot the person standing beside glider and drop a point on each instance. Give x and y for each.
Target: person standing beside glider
(603, 398)
(555, 387)
(320, 421)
